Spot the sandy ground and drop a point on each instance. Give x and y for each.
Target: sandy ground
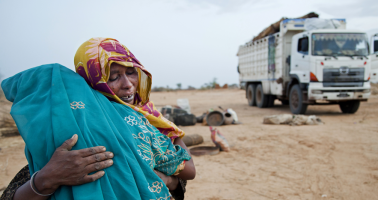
(337, 160)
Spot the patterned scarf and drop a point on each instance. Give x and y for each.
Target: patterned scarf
(93, 60)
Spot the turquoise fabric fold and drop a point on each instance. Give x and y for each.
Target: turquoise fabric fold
(51, 103)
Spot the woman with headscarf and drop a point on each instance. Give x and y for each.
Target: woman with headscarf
(128, 125)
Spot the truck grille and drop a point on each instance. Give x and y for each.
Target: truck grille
(343, 77)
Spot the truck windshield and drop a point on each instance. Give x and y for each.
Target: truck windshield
(340, 44)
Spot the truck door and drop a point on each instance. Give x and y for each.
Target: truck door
(374, 59)
(300, 59)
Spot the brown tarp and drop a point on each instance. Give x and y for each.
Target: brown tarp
(275, 27)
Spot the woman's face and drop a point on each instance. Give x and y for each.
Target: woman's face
(123, 81)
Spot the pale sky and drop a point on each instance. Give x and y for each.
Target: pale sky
(178, 41)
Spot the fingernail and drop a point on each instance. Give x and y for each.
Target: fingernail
(103, 148)
(110, 162)
(73, 136)
(111, 155)
(102, 173)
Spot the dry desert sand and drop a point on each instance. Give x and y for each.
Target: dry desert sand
(337, 160)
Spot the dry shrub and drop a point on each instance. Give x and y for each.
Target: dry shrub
(8, 127)
(6, 119)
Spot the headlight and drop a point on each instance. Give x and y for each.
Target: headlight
(316, 92)
(366, 91)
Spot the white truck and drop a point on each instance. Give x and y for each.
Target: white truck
(374, 57)
(302, 67)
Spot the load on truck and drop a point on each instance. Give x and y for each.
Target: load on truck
(306, 61)
(374, 57)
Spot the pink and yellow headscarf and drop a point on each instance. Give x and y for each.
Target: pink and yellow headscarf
(93, 60)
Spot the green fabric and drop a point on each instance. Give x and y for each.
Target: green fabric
(51, 103)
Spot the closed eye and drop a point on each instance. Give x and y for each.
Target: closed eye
(131, 71)
(111, 79)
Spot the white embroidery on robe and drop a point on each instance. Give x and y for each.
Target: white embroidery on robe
(131, 120)
(77, 105)
(156, 187)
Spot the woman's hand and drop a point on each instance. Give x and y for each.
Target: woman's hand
(72, 167)
(67, 167)
(170, 181)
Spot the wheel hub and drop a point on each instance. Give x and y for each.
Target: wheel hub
(258, 95)
(294, 99)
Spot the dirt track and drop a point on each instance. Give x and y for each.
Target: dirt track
(337, 160)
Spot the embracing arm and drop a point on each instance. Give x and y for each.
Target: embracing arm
(177, 184)
(189, 172)
(64, 168)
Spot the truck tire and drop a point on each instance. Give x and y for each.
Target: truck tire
(349, 106)
(261, 98)
(296, 100)
(251, 94)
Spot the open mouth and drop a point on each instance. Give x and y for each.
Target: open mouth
(128, 99)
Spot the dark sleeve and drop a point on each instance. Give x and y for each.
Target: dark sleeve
(178, 194)
(21, 178)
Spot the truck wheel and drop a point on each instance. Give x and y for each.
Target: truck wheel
(251, 94)
(296, 100)
(349, 106)
(261, 98)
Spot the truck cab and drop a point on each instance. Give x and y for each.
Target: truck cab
(333, 65)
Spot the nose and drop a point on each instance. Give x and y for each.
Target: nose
(126, 83)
